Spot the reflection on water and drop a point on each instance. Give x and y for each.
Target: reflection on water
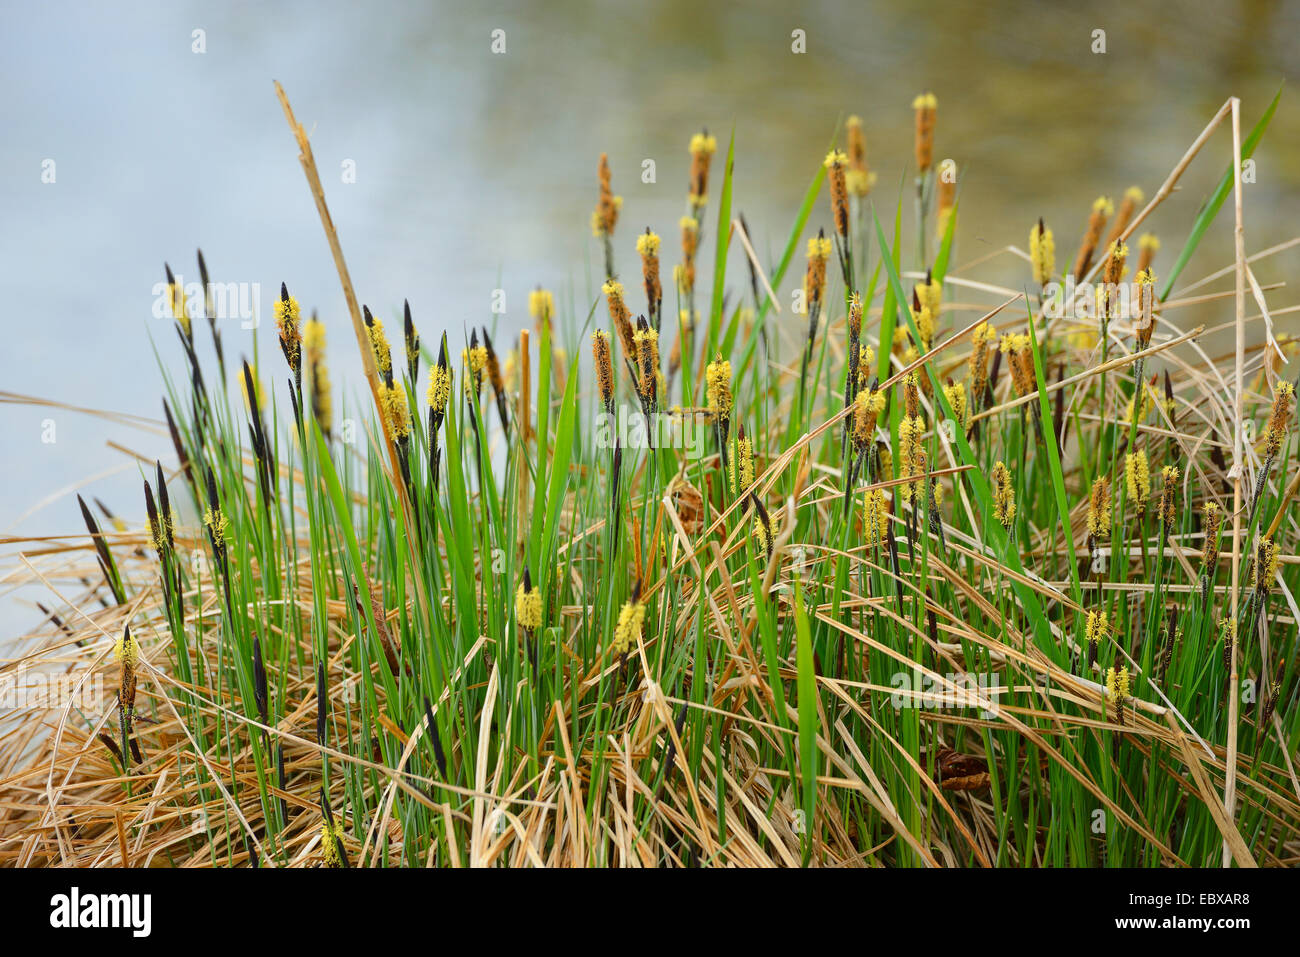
(476, 170)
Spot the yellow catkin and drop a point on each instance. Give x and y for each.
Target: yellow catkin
(322, 403)
(179, 308)
(1279, 417)
(718, 387)
(1042, 253)
(814, 283)
(912, 460)
(1097, 628)
(1148, 246)
(627, 633)
(1099, 510)
(702, 147)
(646, 341)
(836, 164)
(605, 216)
(1020, 358)
(1117, 684)
(1004, 495)
(541, 306)
(379, 346)
(977, 365)
(763, 535)
(528, 607)
(286, 320)
(1111, 274)
(474, 361)
(1210, 550)
(685, 273)
(216, 523)
(955, 393)
(859, 178)
(947, 200)
(1127, 207)
(604, 364)
(925, 107)
(1102, 208)
(1168, 490)
(439, 388)
(396, 411)
(875, 520)
(126, 650)
(1266, 562)
(742, 464)
(647, 245)
(1144, 308)
(331, 843)
(866, 365)
(1137, 479)
(866, 411)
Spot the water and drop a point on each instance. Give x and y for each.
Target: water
(476, 171)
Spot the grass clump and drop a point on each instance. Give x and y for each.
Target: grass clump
(949, 582)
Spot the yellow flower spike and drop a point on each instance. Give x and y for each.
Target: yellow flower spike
(742, 463)
(1099, 510)
(955, 393)
(718, 387)
(925, 105)
(631, 621)
(1137, 479)
(605, 216)
(216, 523)
(1279, 417)
(1004, 495)
(331, 844)
(395, 409)
(528, 607)
(836, 164)
(1210, 550)
(875, 521)
(439, 388)
(859, 179)
(1168, 489)
(1117, 684)
(126, 649)
(379, 344)
(1042, 253)
(702, 147)
(1097, 628)
(541, 306)
(604, 365)
(1266, 561)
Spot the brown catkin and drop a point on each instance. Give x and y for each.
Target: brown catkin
(1101, 210)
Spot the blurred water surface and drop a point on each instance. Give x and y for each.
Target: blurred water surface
(476, 170)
